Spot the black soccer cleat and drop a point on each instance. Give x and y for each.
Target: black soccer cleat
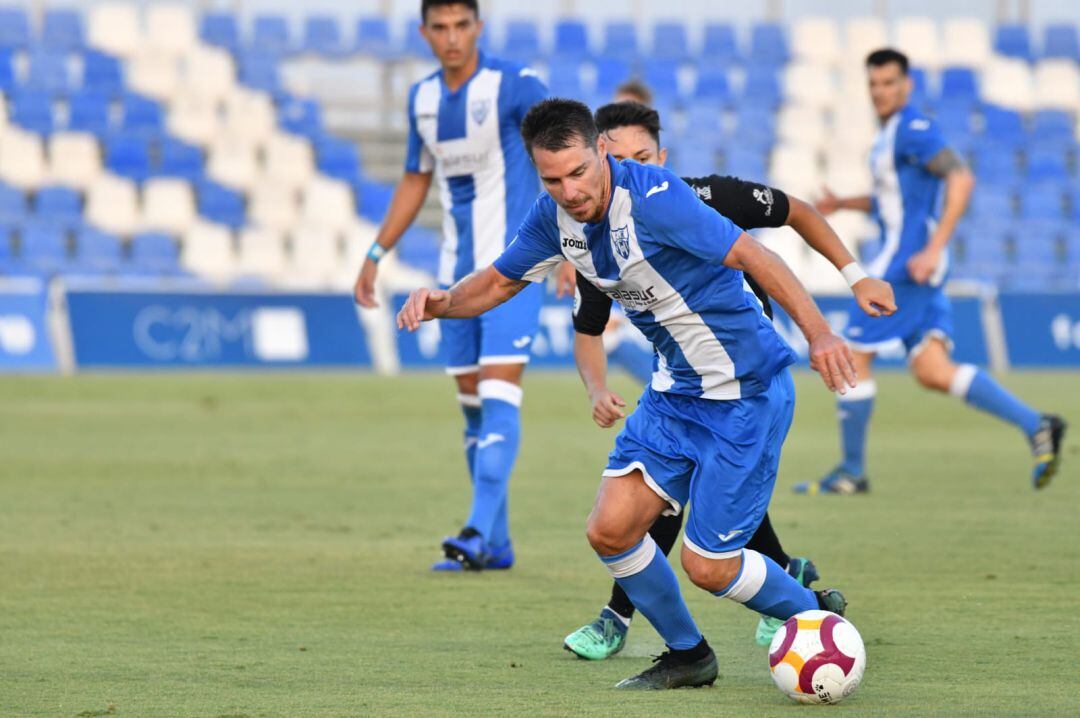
(671, 671)
(831, 600)
(1046, 449)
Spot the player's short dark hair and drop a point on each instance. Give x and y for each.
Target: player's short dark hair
(629, 114)
(426, 5)
(558, 123)
(638, 89)
(886, 56)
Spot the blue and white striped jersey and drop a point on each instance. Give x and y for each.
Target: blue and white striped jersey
(905, 198)
(659, 252)
(470, 138)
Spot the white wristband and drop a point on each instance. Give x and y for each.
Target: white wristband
(853, 273)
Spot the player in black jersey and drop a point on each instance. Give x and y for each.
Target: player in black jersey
(632, 131)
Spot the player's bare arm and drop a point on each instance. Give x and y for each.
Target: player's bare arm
(959, 183)
(591, 359)
(482, 290)
(874, 296)
(829, 203)
(829, 355)
(404, 206)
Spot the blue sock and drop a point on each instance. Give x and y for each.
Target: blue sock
(766, 588)
(634, 359)
(979, 389)
(855, 409)
(496, 451)
(648, 579)
(470, 407)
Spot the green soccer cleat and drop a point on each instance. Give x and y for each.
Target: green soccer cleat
(601, 639)
(668, 671)
(831, 600)
(805, 572)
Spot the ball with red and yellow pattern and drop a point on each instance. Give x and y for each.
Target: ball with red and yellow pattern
(817, 657)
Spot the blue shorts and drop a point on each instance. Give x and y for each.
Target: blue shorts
(720, 456)
(923, 313)
(502, 336)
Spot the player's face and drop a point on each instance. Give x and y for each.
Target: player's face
(634, 142)
(575, 179)
(452, 31)
(889, 89)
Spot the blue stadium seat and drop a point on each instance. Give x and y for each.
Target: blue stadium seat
(415, 45)
(14, 28)
(102, 74)
(1047, 164)
(63, 30)
(177, 158)
(663, 77)
(954, 120)
(621, 41)
(768, 44)
(572, 40)
(755, 128)
(337, 158)
(688, 158)
(32, 109)
(220, 29)
(48, 72)
(373, 36)
(1037, 253)
(97, 251)
(7, 70)
(301, 117)
(372, 198)
(13, 206)
(220, 204)
(420, 248)
(566, 78)
(1003, 127)
(1051, 124)
(322, 36)
(8, 265)
(522, 41)
(746, 163)
(992, 201)
(959, 85)
(43, 247)
(88, 111)
(58, 205)
(1060, 40)
(1042, 202)
(155, 253)
(259, 70)
(720, 46)
(669, 41)
(142, 115)
(762, 87)
(1013, 40)
(712, 85)
(128, 155)
(703, 119)
(610, 73)
(271, 35)
(920, 87)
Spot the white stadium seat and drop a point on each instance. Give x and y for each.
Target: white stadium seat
(249, 115)
(22, 159)
(794, 168)
(966, 42)
(918, 38)
(113, 27)
(171, 28)
(1008, 82)
(328, 203)
(801, 124)
(153, 72)
(1057, 85)
(74, 159)
(809, 84)
(261, 253)
(863, 35)
(207, 250)
(789, 245)
(112, 203)
(288, 160)
(208, 72)
(816, 40)
(273, 205)
(194, 118)
(232, 163)
(168, 206)
(316, 254)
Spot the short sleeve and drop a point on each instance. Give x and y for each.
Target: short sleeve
(920, 140)
(592, 308)
(528, 89)
(535, 251)
(672, 213)
(749, 205)
(417, 156)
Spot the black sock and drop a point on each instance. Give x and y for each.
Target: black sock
(765, 542)
(689, 655)
(468, 532)
(665, 530)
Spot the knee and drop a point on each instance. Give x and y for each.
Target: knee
(608, 537)
(933, 378)
(710, 574)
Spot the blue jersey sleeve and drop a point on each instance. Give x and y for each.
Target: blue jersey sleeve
(674, 215)
(527, 89)
(417, 156)
(919, 139)
(535, 251)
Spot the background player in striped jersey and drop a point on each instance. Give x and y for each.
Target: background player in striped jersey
(632, 131)
(464, 129)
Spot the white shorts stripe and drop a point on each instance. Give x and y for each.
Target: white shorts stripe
(709, 554)
(633, 466)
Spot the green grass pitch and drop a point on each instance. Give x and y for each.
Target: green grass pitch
(258, 546)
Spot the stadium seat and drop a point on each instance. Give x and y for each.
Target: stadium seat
(761, 88)
(316, 253)
(662, 76)
(273, 205)
(232, 163)
(610, 73)
(419, 248)
(250, 117)
(720, 45)
(22, 159)
(179, 159)
(1008, 82)
(114, 28)
(521, 41)
(261, 253)
(337, 158)
(1053, 125)
(154, 73)
(959, 86)
(33, 110)
(1057, 85)
(220, 29)
(1060, 41)
(301, 117)
(996, 164)
(415, 45)
(168, 206)
(271, 35)
(863, 35)
(571, 40)
(171, 28)
(142, 115)
(992, 201)
(288, 160)
(373, 37)
(58, 205)
(14, 28)
(768, 45)
(919, 38)
(259, 71)
(620, 41)
(1047, 164)
(801, 125)
(954, 120)
(14, 207)
(748, 163)
(48, 73)
(920, 87)
(372, 198)
(220, 204)
(209, 72)
(1013, 40)
(89, 112)
(816, 40)
(669, 42)
(1043, 202)
(712, 87)
(327, 203)
(565, 78)
(97, 251)
(194, 118)
(207, 251)
(755, 127)
(112, 203)
(102, 74)
(966, 42)
(809, 84)
(1003, 126)
(322, 36)
(7, 70)
(74, 159)
(156, 253)
(43, 247)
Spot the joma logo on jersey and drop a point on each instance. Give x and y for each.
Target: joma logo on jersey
(620, 240)
(635, 298)
(574, 243)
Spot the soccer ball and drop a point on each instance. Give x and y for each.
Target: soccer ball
(817, 657)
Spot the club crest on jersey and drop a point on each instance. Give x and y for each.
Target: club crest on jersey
(479, 110)
(620, 241)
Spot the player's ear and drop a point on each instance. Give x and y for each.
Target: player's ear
(661, 156)
(601, 145)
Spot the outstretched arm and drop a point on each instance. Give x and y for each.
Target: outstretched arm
(482, 290)
(829, 355)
